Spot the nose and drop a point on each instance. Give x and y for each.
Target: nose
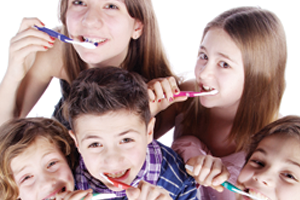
(204, 70)
(113, 157)
(47, 181)
(265, 177)
(92, 18)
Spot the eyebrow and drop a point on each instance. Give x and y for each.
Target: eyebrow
(120, 134)
(221, 54)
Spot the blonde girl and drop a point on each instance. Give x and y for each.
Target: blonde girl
(37, 155)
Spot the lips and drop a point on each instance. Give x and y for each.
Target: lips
(120, 175)
(52, 196)
(257, 194)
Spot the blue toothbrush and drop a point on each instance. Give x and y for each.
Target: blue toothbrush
(64, 38)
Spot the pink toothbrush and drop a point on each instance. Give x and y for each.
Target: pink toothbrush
(195, 94)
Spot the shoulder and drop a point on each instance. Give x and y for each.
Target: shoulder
(173, 176)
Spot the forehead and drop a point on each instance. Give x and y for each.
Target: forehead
(283, 146)
(111, 122)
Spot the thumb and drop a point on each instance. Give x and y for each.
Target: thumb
(133, 193)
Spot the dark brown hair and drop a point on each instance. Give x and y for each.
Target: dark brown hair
(260, 36)
(145, 56)
(287, 126)
(98, 91)
(17, 135)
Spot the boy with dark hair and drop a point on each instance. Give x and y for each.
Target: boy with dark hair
(108, 110)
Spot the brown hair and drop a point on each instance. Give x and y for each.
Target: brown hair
(260, 36)
(17, 135)
(98, 91)
(145, 56)
(286, 126)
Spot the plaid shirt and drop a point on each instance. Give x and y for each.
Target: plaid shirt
(150, 173)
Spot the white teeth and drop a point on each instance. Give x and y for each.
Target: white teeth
(207, 88)
(92, 40)
(116, 175)
(258, 195)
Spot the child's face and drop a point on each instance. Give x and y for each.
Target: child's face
(273, 171)
(105, 22)
(114, 144)
(41, 171)
(220, 67)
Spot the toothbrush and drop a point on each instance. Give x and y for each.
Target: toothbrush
(229, 186)
(117, 184)
(97, 196)
(66, 39)
(195, 94)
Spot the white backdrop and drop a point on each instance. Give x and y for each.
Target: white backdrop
(181, 25)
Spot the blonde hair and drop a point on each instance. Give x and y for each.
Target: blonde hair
(17, 135)
(145, 56)
(260, 36)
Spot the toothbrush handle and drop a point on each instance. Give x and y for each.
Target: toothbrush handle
(53, 33)
(184, 93)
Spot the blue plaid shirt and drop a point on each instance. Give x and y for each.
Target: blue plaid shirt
(162, 167)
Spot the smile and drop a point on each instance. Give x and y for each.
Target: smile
(53, 195)
(257, 194)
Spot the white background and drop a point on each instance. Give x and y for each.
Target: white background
(181, 24)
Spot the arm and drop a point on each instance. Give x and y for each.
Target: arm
(23, 57)
(167, 111)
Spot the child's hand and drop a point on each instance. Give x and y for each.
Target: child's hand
(24, 46)
(76, 195)
(147, 191)
(161, 93)
(208, 171)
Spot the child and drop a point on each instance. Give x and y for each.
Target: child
(127, 33)
(242, 56)
(272, 165)
(36, 155)
(113, 129)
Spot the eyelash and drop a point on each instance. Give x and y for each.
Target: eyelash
(257, 162)
(78, 3)
(26, 178)
(94, 145)
(127, 140)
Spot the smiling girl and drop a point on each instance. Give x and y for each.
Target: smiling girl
(128, 37)
(37, 155)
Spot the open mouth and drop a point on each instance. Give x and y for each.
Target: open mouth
(206, 88)
(118, 175)
(53, 195)
(257, 194)
(93, 40)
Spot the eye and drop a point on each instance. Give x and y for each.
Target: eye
(126, 140)
(111, 6)
(51, 164)
(224, 65)
(202, 56)
(26, 178)
(289, 176)
(95, 145)
(79, 3)
(257, 163)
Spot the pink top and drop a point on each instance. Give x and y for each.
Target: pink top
(191, 146)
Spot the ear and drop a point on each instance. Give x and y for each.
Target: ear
(138, 29)
(150, 130)
(72, 134)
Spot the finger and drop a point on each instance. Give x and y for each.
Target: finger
(133, 193)
(216, 169)
(30, 22)
(221, 177)
(174, 86)
(158, 91)
(206, 168)
(32, 33)
(167, 90)
(151, 95)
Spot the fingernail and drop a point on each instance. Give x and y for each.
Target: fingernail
(42, 23)
(52, 38)
(153, 101)
(171, 99)
(176, 91)
(45, 47)
(159, 101)
(51, 43)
